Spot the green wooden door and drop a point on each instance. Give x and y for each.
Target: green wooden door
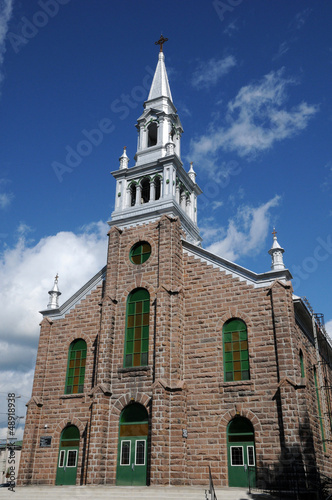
(241, 453)
(132, 461)
(132, 448)
(68, 456)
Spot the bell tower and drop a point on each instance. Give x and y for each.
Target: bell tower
(158, 183)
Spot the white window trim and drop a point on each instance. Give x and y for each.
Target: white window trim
(76, 454)
(253, 455)
(237, 465)
(125, 441)
(62, 454)
(137, 441)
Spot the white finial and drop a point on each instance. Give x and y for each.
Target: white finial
(170, 146)
(124, 160)
(192, 173)
(54, 294)
(276, 252)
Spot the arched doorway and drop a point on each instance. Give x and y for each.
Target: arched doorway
(68, 456)
(241, 453)
(132, 448)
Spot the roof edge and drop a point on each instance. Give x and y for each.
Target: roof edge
(76, 298)
(261, 279)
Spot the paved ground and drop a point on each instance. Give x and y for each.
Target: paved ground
(124, 493)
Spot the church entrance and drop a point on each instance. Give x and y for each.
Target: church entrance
(132, 448)
(68, 456)
(241, 453)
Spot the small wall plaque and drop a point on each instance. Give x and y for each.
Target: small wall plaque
(45, 441)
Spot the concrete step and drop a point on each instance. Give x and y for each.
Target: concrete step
(124, 493)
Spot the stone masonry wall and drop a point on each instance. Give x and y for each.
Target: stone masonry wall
(183, 388)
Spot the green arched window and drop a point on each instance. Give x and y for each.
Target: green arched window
(236, 356)
(137, 328)
(76, 367)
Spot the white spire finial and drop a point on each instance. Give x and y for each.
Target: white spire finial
(124, 160)
(170, 146)
(54, 295)
(276, 252)
(192, 173)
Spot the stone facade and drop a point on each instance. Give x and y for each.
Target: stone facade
(183, 385)
(189, 403)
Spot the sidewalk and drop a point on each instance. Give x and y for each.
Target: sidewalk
(124, 493)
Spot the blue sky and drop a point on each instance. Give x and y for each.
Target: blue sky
(252, 84)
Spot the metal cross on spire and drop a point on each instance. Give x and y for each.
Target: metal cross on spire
(161, 42)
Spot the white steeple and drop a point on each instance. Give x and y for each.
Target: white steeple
(157, 183)
(276, 252)
(160, 86)
(54, 295)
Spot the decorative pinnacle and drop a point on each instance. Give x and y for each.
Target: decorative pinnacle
(161, 42)
(54, 295)
(192, 173)
(276, 252)
(124, 160)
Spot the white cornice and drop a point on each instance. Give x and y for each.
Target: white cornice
(243, 274)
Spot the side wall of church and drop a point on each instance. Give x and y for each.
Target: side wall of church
(310, 438)
(281, 406)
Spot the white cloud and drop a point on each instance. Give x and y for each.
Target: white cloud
(216, 204)
(26, 275)
(255, 120)
(301, 18)
(326, 184)
(209, 72)
(232, 28)
(6, 8)
(5, 199)
(20, 385)
(328, 328)
(246, 233)
(283, 49)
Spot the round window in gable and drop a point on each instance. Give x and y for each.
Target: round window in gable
(140, 252)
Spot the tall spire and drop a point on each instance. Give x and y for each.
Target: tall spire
(276, 252)
(54, 295)
(160, 86)
(157, 184)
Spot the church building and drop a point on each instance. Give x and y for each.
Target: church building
(172, 359)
